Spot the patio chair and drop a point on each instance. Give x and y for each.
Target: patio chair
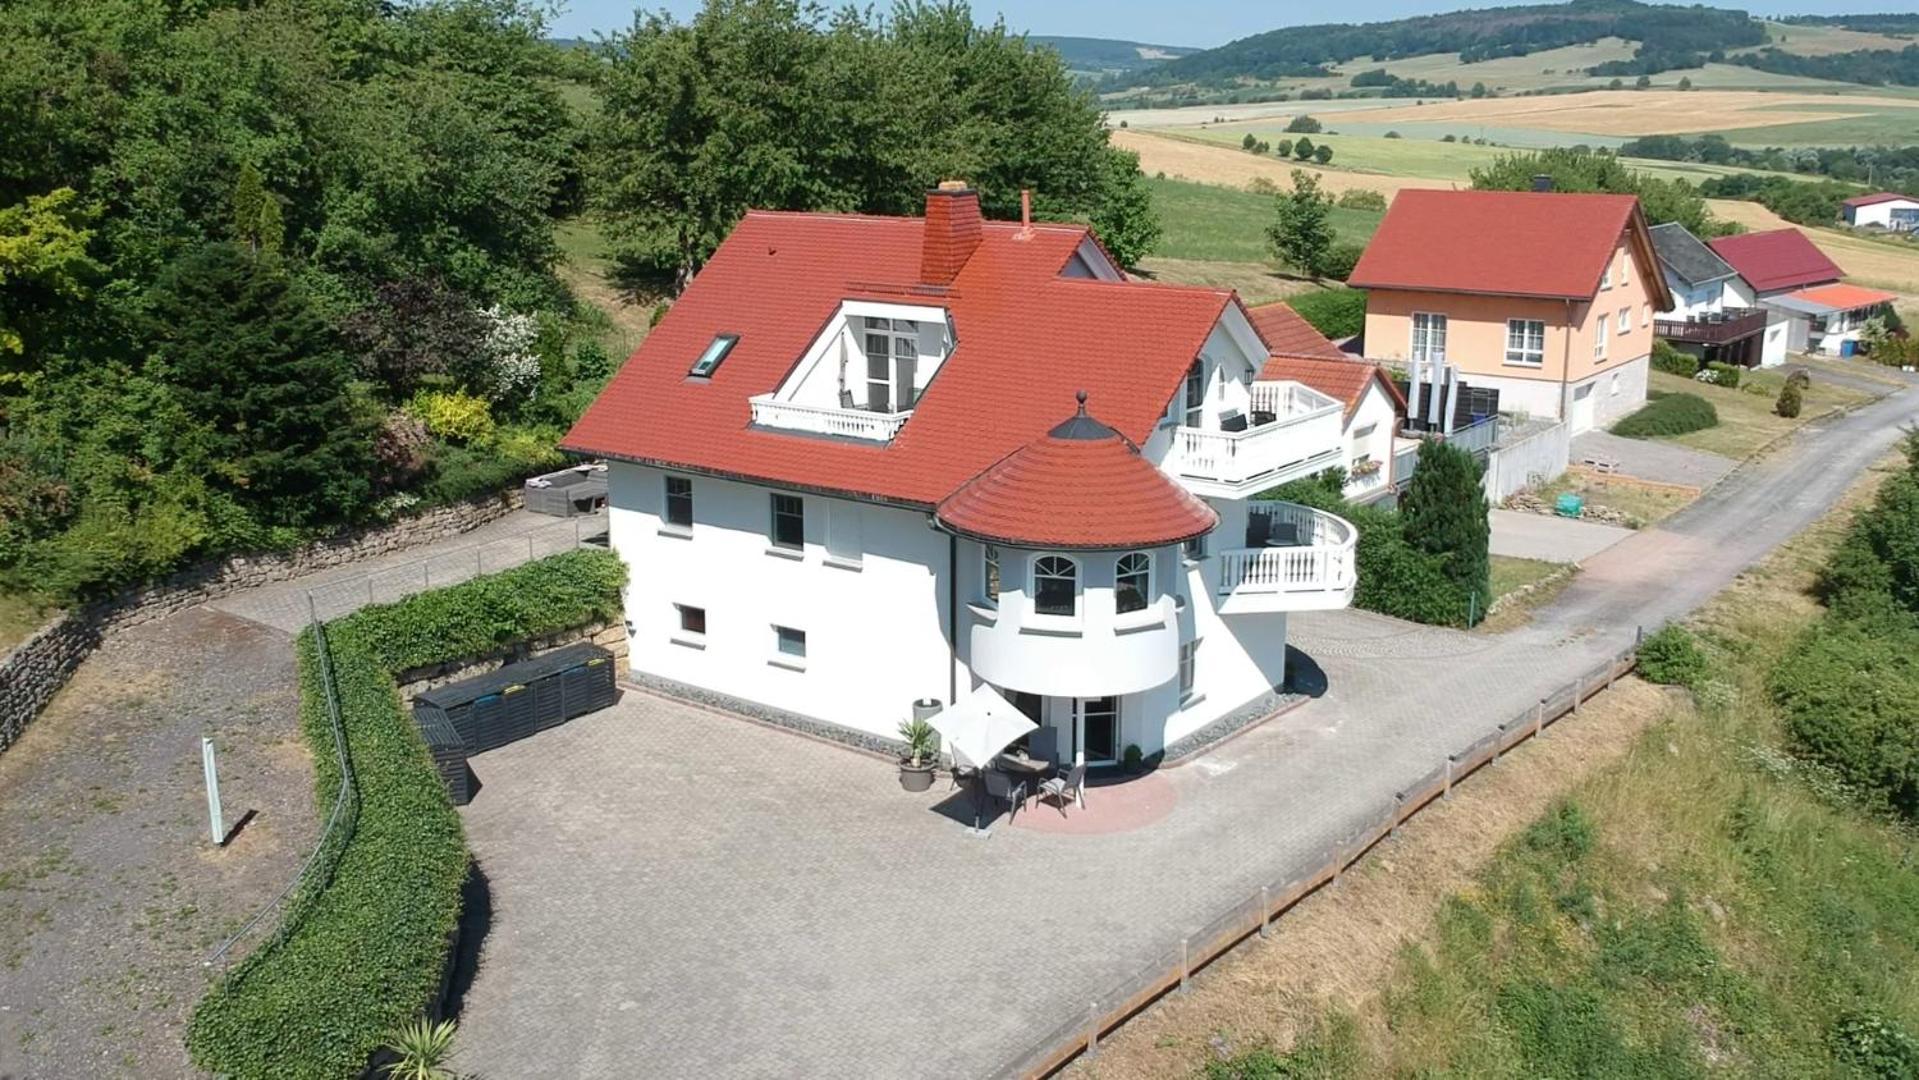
(1042, 744)
(1002, 787)
(1073, 783)
(963, 767)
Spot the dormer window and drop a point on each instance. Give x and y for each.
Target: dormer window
(715, 353)
(892, 363)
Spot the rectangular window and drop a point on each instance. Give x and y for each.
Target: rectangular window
(679, 502)
(790, 642)
(892, 363)
(1195, 392)
(1605, 276)
(1599, 338)
(1188, 655)
(1526, 342)
(1625, 262)
(1429, 338)
(1625, 321)
(989, 573)
(709, 360)
(692, 620)
(789, 522)
(843, 520)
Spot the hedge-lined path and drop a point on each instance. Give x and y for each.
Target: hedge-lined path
(111, 893)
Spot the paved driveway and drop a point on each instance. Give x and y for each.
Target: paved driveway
(680, 893)
(1554, 539)
(1651, 459)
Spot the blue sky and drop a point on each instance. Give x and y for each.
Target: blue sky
(1187, 22)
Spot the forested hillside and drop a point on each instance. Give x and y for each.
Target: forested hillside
(270, 267)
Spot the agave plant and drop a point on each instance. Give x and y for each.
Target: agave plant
(920, 739)
(423, 1048)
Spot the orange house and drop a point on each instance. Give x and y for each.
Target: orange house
(1546, 297)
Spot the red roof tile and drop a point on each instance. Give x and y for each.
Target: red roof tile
(1780, 259)
(1344, 379)
(1079, 486)
(1028, 338)
(1285, 331)
(1506, 243)
(1883, 196)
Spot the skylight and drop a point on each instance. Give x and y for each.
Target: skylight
(710, 359)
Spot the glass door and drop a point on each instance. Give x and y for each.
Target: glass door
(1096, 729)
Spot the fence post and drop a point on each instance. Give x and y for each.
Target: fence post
(1579, 691)
(1447, 791)
(1265, 909)
(1185, 967)
(1499, 740)
(529, 547)
(426, 573)
(478, 565)
(1399, 808)
(1612, 671)
(1539, 719)
(1092, 1029)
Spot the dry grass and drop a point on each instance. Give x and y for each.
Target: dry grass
(1541, 581)
(1209, 163)
(1337, 948)
(1255, 282)
(1646, 503)
(1639, 112)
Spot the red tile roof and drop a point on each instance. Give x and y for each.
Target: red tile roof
(1079, 486)
(1287, 332)
(1883, 196)
(1843, 297)
(1505, 243)
(1344, 379)
(1780, 259)
(1028, 339)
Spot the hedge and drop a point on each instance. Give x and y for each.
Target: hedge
(1337, 313)
(362, 947)
(1395, 578)
(1670, 360)
(1669, 414)
(1672, 657)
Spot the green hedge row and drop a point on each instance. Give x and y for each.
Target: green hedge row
(1669, 414)
(363, 945)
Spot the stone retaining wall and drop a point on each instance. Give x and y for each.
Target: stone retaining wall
(38, 667)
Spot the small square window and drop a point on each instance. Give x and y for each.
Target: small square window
(679, 501)
(790, 642)
(692, 619)
(710, 359)
(1625, 320)
(789, 522)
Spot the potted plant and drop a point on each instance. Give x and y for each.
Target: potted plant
(1132, 758)
(922, 754)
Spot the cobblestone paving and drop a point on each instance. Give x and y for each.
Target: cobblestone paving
(678, 893)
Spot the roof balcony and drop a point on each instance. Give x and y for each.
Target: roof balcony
(1712, 328)
(845, 423)
(1296, 559)
(1294, 431)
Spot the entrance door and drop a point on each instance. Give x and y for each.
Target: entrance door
(1096, 729)
(1582, 414)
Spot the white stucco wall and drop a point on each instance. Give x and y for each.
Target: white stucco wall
(1369, 433)
(1880, 214)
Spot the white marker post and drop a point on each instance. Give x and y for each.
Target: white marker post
(217, 825)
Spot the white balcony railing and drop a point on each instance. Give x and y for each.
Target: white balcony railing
(1314, 571)
(1301, 437)
(826, 419)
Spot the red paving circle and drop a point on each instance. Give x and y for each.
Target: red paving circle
(1117, 806)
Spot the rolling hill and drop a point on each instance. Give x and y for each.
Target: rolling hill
(1108, 57)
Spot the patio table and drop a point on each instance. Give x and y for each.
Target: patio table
(1025, 766)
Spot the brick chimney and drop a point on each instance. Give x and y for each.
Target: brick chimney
(952, 231)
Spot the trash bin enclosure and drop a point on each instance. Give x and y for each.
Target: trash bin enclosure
(449, 755)
(491, 710)
(568, 492)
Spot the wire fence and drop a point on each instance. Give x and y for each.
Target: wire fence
(342, 596)
(1173, 967)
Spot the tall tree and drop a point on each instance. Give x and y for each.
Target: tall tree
(1445, 513)
(43, 261)
(1302, 230)
(1581, 170)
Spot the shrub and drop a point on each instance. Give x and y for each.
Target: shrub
(1670, 414)
(362, 947)
(1875, 1046)
(1339, 260)
(1849, 694)
(1303, 123)
(1789, 402)
(1337, 313)
(1362, 199)
(1726, 375)
(1672, 361)
(1799, 377)
(1445, 514)
(1672, 657)
(452, 415)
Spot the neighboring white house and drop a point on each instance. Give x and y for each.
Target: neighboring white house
(1787, 274)
(1710, 317)
(1885, 210)
(1375, 410)
(866, 461)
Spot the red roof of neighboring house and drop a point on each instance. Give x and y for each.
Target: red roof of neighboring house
(1028, 338)
(1843, 297)
(1079, 486)
(1504, 243)
(1344, 379)
(1883, 196)
(1286, 331)
(1779, 259)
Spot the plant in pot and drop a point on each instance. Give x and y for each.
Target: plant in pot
(1133, 758)
(922, 754)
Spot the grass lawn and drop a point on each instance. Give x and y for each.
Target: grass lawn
(1223, 224)
(1746, 419)
(1258, 283)
(19, 617)
(1643, 504)
(1703, 907)
(585, 265)
(1510, 574)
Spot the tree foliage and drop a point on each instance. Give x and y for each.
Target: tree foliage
(1446, 515)
(1581, 170)
(1301, 233)
(771, 104)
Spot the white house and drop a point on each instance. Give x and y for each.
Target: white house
(1708, 317)
(1885, 210)
(1374, 408)
(1787, 274)
(865, 461)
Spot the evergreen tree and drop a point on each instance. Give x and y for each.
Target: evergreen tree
(251, 358)
(1445, 513)
(1302, 230)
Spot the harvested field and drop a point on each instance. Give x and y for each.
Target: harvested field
(1645, 112)
(1213, 164)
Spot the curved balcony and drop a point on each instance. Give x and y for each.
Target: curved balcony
(1305, 563)
(1094, 652)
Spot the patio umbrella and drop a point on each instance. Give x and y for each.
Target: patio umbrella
(977, 729)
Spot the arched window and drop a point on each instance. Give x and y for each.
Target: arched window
(1132, 582)
(1055, 586)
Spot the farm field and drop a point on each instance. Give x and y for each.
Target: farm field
(1208, 163)
(1811, 40)
(1210, 222)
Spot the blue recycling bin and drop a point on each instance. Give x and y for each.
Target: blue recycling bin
(1570, 504)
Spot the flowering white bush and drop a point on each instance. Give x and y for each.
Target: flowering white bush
(512, 370)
